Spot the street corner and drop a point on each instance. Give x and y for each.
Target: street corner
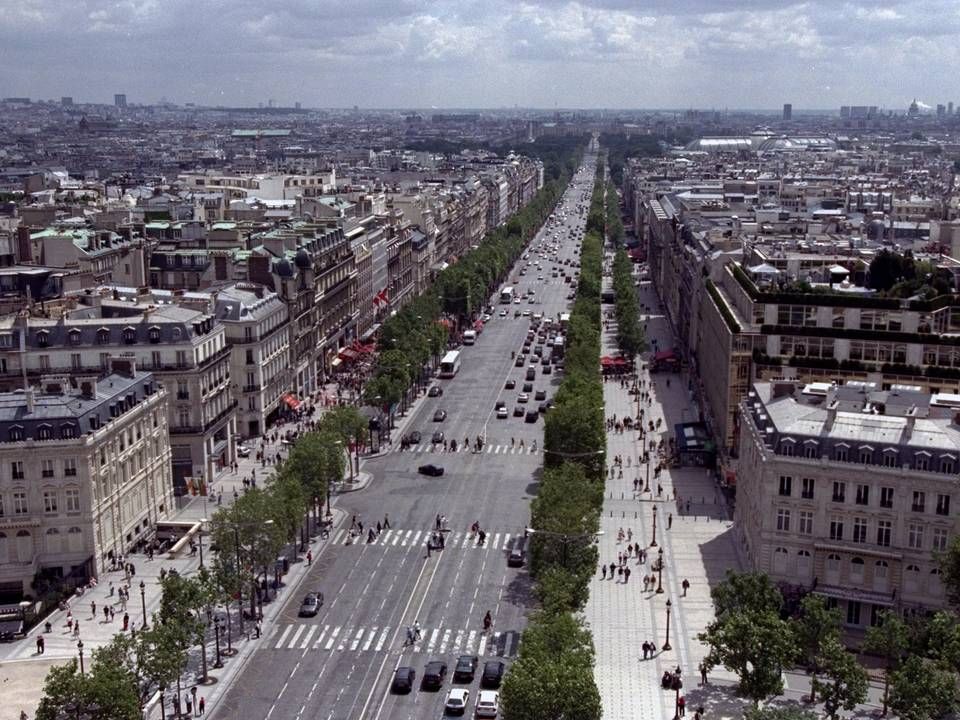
(21, 685)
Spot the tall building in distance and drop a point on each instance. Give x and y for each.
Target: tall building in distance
(788, 111)
(66, 100)
(120, 100)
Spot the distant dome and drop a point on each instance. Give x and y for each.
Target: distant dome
(302, 259)
(282, 268)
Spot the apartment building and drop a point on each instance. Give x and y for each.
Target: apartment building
(849, 491)
(185, 349)
(85, 475)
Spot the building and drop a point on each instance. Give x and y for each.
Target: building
(120, 100)
(787, 111)
(848, 491)
(84, 477)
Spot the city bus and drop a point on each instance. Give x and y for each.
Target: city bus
(506, 295)
(450, 364)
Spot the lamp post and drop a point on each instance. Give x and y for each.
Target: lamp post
(653, 542)
(236, 546)
(218, 663)
(200, 539)
(660, 572)
(80, 651)
(646, 488)
(143, 602)
(666, 643)
(163, 703)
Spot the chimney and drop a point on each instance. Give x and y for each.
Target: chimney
(831, 415)
(24, 251)
(911, 422)
(29, 396)
(88, 388)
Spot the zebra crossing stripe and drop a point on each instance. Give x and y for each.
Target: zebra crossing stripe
(496, 539)
(323, 632)
(496, 450)
(489, 449)
(458, 641)
(356, 640)
(511, 648)
(433, 640)
(482, 645)
(407, 538)
(296, 636)
(444, 641)
(382, 639)
(283, 637)
(370, 637)
(338, 536)
(416, 538)
(306, 638)
(506, 540)
(332, 639)
(343, 640)
(471, 639)
(396, 537)
(495, 642)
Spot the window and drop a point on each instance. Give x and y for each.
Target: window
(16, 433)
(250, 360)
(16, 470)
(839, 491)
(947, 465)
(156, 359)
(74, 337)
(856, 568)
(836, 529)
(181, 358)
(939, 540)
(44, 362)
(786, 483)
(43, 338)
(841, 454)
(919, 501)
(806, 489)
(104, 361)
(1, 509)
(863, 495)
(783, 520)
(76, 361)
(46, 466)
(44, 432)
(810, 450)
(103, 336)
(129, 336)
(889, 458)
(50, 501)
(853, 611)
(183, 390)
(943, 504)
(866, 456)
(72, 497)
(859, 530)
(884, 529)
(183, 418)
(915, 536)
(154, 334)
(833, 563)
(806, 523)
(70, 467)
(886, 497)
(786, 447)
(921, 461)
(20, 502)
(247, 334)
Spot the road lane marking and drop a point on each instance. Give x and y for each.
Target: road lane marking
(458, 641)
(496, 539)
(433, 640)
(482, 645)
(382, 639)
(444, 640)
(296, 635)
(370, 637)
(332, 639)
(396, 538)
(306, 638)
(323, 632)
(506, 540)
(356, 640)
(283, 637)
(471, 640)
(407, 538)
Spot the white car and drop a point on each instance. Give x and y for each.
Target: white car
(502, 413)
(503, 313)
(457, 701)
(516, 301)
(488, 704)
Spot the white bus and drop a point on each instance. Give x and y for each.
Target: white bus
(506, 295)
(450, 364)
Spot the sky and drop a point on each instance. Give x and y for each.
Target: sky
(549, 54)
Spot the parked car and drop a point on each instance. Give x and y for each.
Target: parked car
(532, 416)
(518, 411)
(311, 604)
(540, 395)
(435, 391)
(511, 384)
(488, 704)
(434, 674)
(502, 413)
(440, 415)
(492, 674)
(465, 668)
(415, 437)
(403, 679)
(431, 470)
(457, 700)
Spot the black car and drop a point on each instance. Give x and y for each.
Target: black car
(543, 407)
(435, 391)
(440, 416)
(433, 675)
(404, 679)
(465, 668)
(415, 437)
(431, 470)
(511, 384)
(492, 674)
(520, 362)
(546, 370)
(532, 416)
(540, 395)
(437, 437)
(518, 411)
(311, 604)
(528, 387)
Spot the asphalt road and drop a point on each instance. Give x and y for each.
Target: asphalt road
(339, 664)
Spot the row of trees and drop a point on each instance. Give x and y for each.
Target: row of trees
(757, 637)
(630, 336)
(553, 675)
(246, 539)
(615, 232)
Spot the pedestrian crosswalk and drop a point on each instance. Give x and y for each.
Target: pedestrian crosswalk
(432, 641)
(439, 449)
(418, 538)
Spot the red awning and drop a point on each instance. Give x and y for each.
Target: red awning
(606, 361)
(291, 400)
(478, 325)
(347, 354)
(665, 355)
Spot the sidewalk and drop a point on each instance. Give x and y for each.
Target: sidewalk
(697, 544)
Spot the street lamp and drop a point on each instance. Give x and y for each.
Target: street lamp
(200, 539)
(660, 572)
(143, 602)
(218, 663)
(80, 650)
(653, 542)
(163, 703)
(666, 644)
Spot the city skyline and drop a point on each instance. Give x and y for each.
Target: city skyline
(732, 54)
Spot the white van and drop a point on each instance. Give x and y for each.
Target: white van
(469, 337)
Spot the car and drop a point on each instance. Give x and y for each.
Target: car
(415, 437)
(243, 451)
(531, 373)
(404, 678)
(518, 411)
(532, 300)
(522, 398)
(486, 317)
(516, 300)
(546, 370)
(488, 704)
(437, 437)
(528, 387)
(465, 668)
(540, 395)
(520, 361)
(311, 604)
(502, 413)
(431, 470)
(511, 384)
(457, 700)
(526, 313)
(435, 391)
(532, 416)
(492, 674)
(440, 415)
(543, 407)
(503, 313)
(433, 675)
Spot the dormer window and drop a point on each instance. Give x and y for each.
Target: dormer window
(129, 335)
(103, 336)
(787, 446)
(43, 338)
(69, 430)
(154, 334)
(75, 337)
(44, 432)
(16, 433)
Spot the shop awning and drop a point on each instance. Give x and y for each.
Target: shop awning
(478, 325)
(292, 402)
(347, 354)
(665, 355)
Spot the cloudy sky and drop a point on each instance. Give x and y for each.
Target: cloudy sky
(485, 53)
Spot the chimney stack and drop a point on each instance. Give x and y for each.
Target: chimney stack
(911, 422)
(831, 415)
(24, 251)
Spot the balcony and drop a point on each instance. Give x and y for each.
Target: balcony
(207, 427)
(252, 388)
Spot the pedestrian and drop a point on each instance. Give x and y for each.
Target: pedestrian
(686, 586)
(688, 507)
(110, 594)
(106, 614)
(646, 649)
(360, 525)
(93, 609)
(698, 715)
(40, 644)
(620, 571)
(619, 558)
(669, 521)
(428, 547)
(258, 628)
(629, 550)
(629, 534)
(659, 486)
(604, 570)
(703, 673)
(681, 706)
(386, 521)
(76, 628)
(126, 621)
(379, 528)
(309, 558)
(112, 613)
(613, 569)
(202, 705)
(438, 521)
(626, 575)
(189, 705)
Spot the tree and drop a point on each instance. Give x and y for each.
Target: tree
(816, 625)
(889, 639)
(751, 592)
(949, 562)
(779, 713)
(845, 681)
(538, 688)
(289, 503)
(108, 690)
(183, 604)
(920, 690)
(160, 657)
